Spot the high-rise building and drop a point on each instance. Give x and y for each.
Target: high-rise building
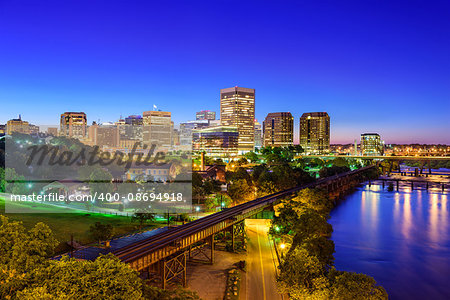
(315, 132)
(258, 135)
(131, 128)
(2, 129)
(278, 129)
(17, 125)
(237, 109)
(73, 124)
(157, 129)
(205, 115)
(371, 144)
(216, 141)
(104, 135)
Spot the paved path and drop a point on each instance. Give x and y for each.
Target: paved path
(261, 260)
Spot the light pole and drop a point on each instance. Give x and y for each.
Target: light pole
(197, 209)
(282, 247)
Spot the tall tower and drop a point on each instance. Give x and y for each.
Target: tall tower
(278, 129)
(315, 132)
(237, 108)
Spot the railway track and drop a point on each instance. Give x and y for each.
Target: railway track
(141, 248)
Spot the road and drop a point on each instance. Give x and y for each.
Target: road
(261, 259)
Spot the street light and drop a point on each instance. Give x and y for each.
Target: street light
(282, 246)
(197, 209)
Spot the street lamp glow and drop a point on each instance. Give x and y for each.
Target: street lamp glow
(282, 246)
(197, 208)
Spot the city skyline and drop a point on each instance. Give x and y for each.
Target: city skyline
(389, 75)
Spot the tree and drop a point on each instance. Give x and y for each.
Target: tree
(101, 232)
(350, 285)
(333, 170)
(240, 191)
(218, 200)
(315, 199)
(142, 215)
(252, 156)
(302, 276)
(35, 247)
(22, 250)
(105, 278)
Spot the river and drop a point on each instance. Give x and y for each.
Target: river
(402, 239)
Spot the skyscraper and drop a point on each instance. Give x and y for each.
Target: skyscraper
(205, 115)
(237, 108)
(157, 129)
(73, 124)
(278, 129)
(315, 132)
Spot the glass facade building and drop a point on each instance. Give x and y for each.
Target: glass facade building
(278, 129)
(237, 109)
(216, 141)
(315, 132)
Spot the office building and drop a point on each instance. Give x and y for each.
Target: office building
(315, 132)
(371, 144)
(17, 125)
(205, 115)
(73, 125)
(131, 128)
(104, 135)
(157, 129)
(219, 141)
(258, 135)
(278, 129)
(237, 109)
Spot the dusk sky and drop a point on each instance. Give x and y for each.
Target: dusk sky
(374, 66)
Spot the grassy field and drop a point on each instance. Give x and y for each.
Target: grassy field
(65, 224)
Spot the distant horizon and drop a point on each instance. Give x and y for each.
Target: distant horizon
(372, 66)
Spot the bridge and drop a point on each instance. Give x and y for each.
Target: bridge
(381, 157)
(167, 253)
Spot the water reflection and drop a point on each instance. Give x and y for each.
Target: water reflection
(400, 238)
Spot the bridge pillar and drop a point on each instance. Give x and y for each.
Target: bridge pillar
(397, 184)
(174, 268)
(237, 232)
(211, 242)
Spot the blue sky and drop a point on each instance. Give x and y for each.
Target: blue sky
(380, 66)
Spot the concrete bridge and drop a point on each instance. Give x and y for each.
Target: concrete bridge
(167, 253)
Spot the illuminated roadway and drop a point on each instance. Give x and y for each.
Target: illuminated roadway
(261, 263)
